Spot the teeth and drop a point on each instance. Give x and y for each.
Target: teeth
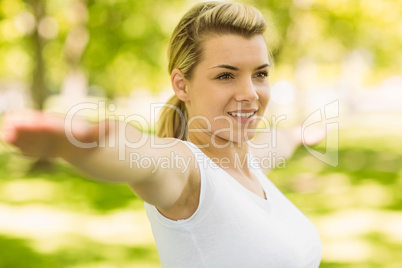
(242, 115)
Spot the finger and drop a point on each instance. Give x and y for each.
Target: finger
(7, 131)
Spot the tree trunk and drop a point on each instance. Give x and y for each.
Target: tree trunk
(39, 91)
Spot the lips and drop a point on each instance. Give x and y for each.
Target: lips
(242, 115)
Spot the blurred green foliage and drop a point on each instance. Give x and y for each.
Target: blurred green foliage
(121, 45)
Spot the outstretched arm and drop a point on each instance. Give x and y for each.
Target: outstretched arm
(278, 144)
(116, 152)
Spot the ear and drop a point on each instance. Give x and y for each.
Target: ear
(179, 85)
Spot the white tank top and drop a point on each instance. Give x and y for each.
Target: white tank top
(233, 227)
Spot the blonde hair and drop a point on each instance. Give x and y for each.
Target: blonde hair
(185, 50)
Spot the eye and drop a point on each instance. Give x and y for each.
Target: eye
(225, 76)
(263, 74)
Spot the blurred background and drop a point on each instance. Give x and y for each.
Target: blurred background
(56, 54)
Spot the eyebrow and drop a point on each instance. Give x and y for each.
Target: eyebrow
(225, 66)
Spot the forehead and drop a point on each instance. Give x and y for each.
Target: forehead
(235, 50)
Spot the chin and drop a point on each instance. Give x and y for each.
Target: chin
(227, 139)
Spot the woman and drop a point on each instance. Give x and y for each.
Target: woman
(213, 207)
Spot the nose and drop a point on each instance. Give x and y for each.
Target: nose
(246, 91)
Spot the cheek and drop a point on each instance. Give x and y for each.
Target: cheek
(264, 96)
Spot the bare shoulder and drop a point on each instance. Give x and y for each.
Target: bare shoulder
(273, 146)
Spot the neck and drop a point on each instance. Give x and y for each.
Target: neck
(226, 154)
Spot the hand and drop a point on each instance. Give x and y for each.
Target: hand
(312, 134)
(38, 134)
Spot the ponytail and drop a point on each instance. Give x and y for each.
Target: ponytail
(173, 120)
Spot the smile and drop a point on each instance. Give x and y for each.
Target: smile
(242, 115)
